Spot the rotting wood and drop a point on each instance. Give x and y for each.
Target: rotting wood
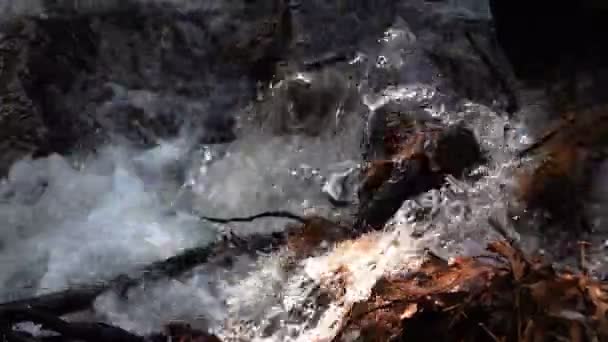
(420, 155)
(266, 214)
(84, 331)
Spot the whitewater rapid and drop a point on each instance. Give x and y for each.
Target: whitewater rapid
(72, 219)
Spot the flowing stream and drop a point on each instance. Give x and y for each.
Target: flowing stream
(82, 217)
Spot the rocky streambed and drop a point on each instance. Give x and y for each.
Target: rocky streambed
(131, 132)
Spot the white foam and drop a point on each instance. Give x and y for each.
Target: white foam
(87, 224)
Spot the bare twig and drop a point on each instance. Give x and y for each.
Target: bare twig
(275, 214)
(324, 61)
(539, 143)
(483, 327)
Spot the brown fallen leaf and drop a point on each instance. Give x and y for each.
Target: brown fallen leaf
(517, 261)
(409, 311)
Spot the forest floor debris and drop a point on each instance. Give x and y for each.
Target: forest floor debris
(502, 296)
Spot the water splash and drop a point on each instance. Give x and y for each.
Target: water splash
(82, 219)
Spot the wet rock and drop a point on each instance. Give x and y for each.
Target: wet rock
(218, 128)
(456, 150)
(341, 185)
(444, 34)
(22, 130)
(365, 20)
(59, 53)
(392, 119)
(414, 155)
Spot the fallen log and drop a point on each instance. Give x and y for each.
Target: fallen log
(61, 302)
(83, 331)
(78, 299)
(91, 331)
(302, 238)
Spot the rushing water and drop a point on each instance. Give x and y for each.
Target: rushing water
(69, 220)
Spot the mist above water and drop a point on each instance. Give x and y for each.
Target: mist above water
(86, 221)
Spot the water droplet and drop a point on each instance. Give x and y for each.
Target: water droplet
(381, 62)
